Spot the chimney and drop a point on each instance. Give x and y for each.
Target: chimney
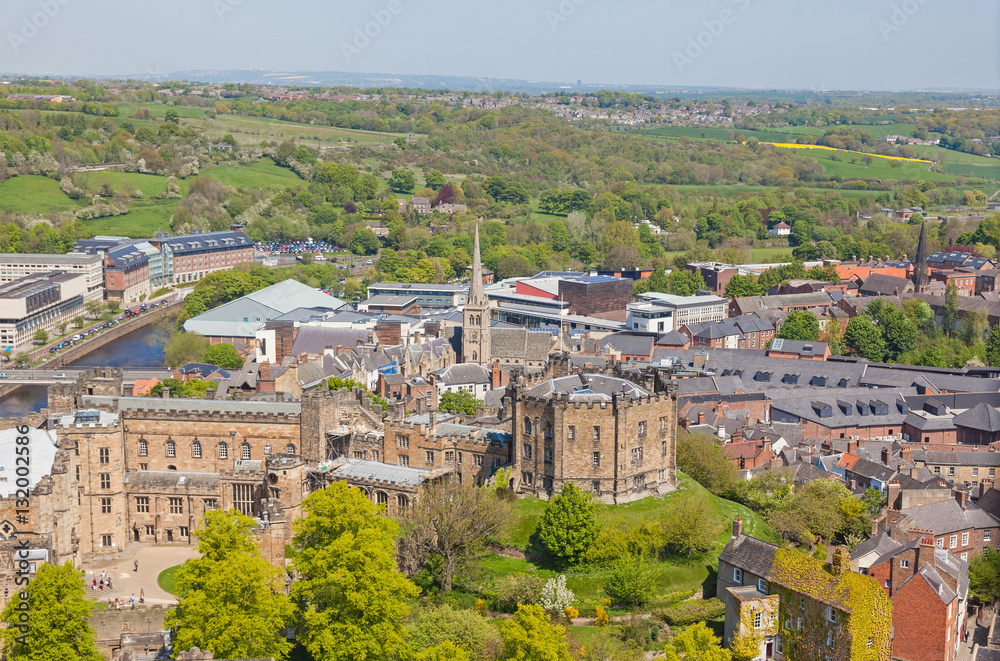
(870, 259)
(852, 484)
(737, 436)
(852, 446)
(737, 527)
(926, 553)
(432, 421)
(264, 372)
(914, 472)
(165, 392)
(907, 455)
(893, 491)
(701, 417)
(854, 258)
(885, 455)
(960, 496)
(841, 564)
(416, 337)
(685, 422)
(904, 256)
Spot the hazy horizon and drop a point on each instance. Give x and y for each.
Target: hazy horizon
(853, 45)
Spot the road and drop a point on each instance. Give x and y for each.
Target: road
(15, 376)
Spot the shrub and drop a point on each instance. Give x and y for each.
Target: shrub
(602, 618)
(519, 589)
(631, 583)
(690, 612)
(571, 613)
(569, 525)
(623, 542)
(555, 595)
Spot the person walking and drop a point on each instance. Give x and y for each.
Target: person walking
(136, 564)
(142, 596)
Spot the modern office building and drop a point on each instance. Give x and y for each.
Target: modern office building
(14, 266)
(662, 313)
(191, 257)
(428, 295)
(39, 302)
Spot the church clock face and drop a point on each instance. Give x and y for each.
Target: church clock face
(473, 337)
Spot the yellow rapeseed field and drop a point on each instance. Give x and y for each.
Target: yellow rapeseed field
(793, 145)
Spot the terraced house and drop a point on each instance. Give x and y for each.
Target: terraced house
(799, 608)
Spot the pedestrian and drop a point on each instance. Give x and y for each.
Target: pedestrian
(136, 564)
(132, 599)
(95, 585)
(102, 585)
(142, 595)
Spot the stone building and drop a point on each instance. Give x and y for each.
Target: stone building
(605, 434)
(476, 336)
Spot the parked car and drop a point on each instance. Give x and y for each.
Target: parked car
(60, 376)
(3, 375)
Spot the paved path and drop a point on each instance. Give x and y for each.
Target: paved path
(152, 560)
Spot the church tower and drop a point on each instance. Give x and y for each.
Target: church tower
(920, 278)
(476, 344)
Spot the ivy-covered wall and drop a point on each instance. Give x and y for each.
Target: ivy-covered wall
(809, 589)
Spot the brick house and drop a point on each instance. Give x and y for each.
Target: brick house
(821, 611)
(955, 524)
(748, 455)
(928, 587)
(963, 282)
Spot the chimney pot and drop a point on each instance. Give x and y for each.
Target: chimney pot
(737, 527)
(701, 417)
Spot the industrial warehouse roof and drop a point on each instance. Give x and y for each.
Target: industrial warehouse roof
(242, 317)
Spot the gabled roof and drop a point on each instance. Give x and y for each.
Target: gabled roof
(948, 517)
(880, 544)
(629, 345)
(982, 417)
(461, 373)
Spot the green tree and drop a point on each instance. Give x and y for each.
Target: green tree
(701, 459)
(746, 646)
(436, 180)
(171, 115)
(350, 594)
(951, 310)
(631, 583)
(78, 321)
(444, 651)
(41, 337)
(401, 181)
(464, 627)
(22, 359)
(743, 285)
(984, 577)
(569, 525)
(93, 308)
(231, 599)
(223, 355)
(459, 402)
(185, 348)
(696, 643)
(865, 339)
(687, 526)
(529, 636)
(898, 331)
(993, 347)
(364, 242)
(49, 618)
(800, 325)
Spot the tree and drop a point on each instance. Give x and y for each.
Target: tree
(528, 636)
(350, 595)
(223, 355)
(62, 327)
(401, 181)
(898, 331)
(687, 526)
(800, 325)
(865, 339)
(984, 577)
(49, 618)
(231, 599)
(78, 321)
(22, 359)
(364, 242)
(171, 115)
(743, 285)
(459, 402)
(631, 583)
(696, 643)
(701, 459)
(93, 308)
(745, 646)
(464, 627)
(951, 309)
(444, 651)
(41, 336)
(449, 524)
(185, 348)
(993, 347)
(569, 524)
(435, 179)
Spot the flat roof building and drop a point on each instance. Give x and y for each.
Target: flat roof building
(14, 266)
(428, 295)
(39, 302)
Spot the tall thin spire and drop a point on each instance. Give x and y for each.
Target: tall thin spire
(920, 265)
(477, 296)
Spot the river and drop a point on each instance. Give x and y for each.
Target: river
(137, 350)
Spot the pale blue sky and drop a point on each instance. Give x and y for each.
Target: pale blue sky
(802, 44)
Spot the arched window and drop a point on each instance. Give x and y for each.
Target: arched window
(402, 502)
(143, 448)
(290, 449)
(548, 430)
(527, 425)
(381, 498)
(223, 450)
(171, 468)
(246, 450)
(171, 449)
(196, 450)
(475, 356)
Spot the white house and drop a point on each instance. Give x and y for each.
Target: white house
(781, 229)
(468, 377)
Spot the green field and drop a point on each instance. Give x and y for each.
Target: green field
(707, 133)
(34, 194)
(167, 580)
(262, 174)
(672, 574)
(879, 168)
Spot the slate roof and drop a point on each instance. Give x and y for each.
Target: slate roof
(982, 417)
(584, 387)
(878, 284)
(520, 343)
(673, 339)
(750, 554)
(203, 370)
(760, 303)
(629, 345)
(871, 469)
(208, 241)
(725, 385)
(376, 470)
(461, 373)
(171, 479)
(957, 458)
(313, 339)
(798, 347)
(880, 544)
(948, 517)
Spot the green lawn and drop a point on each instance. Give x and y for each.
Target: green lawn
(766, 254)
(158, 110)
(34, 194)
(878, 169)
(167, 579)
(672, 574)
(261, 174)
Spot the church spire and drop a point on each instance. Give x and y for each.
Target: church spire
(477, 296)
(920, 264)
